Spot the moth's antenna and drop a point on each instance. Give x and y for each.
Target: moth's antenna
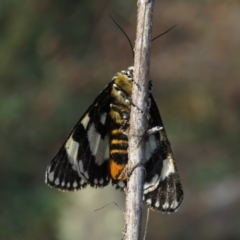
(164, 33)
(129, 41)
(146, 224)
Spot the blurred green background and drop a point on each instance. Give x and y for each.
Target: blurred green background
(56, 56)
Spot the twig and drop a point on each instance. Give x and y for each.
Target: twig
(138, 120)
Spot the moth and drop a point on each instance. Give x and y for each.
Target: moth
(96, 151)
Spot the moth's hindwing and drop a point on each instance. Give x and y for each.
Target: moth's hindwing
(162, 188)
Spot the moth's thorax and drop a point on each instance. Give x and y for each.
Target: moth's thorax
(121, 97)
(124, 82)
(122, 89)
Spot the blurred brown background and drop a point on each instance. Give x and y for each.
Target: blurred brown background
(56, 56)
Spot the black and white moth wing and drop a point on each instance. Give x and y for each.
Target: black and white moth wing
(162, 188)
(83, 158)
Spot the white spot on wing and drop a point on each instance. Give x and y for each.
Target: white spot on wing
(82, 181)
(151, 146)
(93, 138)
(168, 167)
(151, 186)
(157, 204)
(47, 173)
(86, 175)
(85, 121)
(81, 171)
(72, 147)
(101, 181)
(103, 118)
(51, 176)
(75, 184)
(165, 205)
(149, 201)
(56, 181)
(81, 166)
(103, 151)
(174, 204)
(97, 145)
